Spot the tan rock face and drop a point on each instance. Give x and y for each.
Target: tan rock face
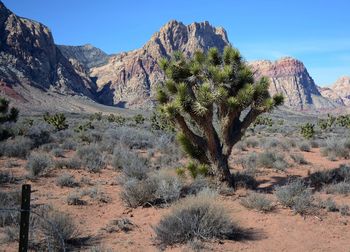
(289, 77)
(28, 55)
(342, 88)
(132, 77)
(331, 95)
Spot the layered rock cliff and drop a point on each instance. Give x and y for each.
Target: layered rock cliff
(28, 56)
(290, 77)
(342, 88)
(132, 77)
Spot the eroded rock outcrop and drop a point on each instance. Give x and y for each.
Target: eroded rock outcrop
(133, 76)
(28, 56)
(290, 77)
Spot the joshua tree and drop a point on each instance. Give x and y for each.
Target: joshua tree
(212, 99)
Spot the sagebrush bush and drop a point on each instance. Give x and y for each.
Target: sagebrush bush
(321, 178)
(298, 158)
(91, 158)
(339, 188)
(257, 201)
(137, 193)
(59, 229)
(329, 205)
(295, 195)
(304, 146)
(195, 217)
(70, 163)
(130, 163)
(17, 147)
(75, 199)
(39, 134)
(335, 147)
(38, 164)
(269, 159)
(160, 187)
(57, 152)
(9, 199)
(6, 177)
(66, 180)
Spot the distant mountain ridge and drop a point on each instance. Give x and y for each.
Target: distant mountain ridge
(87, 55)
(29, 58)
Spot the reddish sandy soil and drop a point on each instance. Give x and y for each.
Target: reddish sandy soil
(280, 230)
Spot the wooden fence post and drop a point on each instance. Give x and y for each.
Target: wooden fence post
(24, 225)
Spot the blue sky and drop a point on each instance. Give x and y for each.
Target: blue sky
(314, 31)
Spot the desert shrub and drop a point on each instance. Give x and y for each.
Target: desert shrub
(6, 177)
(57, 120)
(196, 217)
(66, 180)
(138, 193)
(272, 142)
(269, 159)
(307, 130)
(75, 199)
(59, 229)
(39, 134)
(17, 147)
(335, 147)
(160, 187)
(168, 186)
(295, 195)
(57, 152)
(298, 158)
(91, 158)
(70, 163)
(252, 142)
(339, 188)
(249, 162)
(138, 119)
(69, 144)
(257, 201)
(135, 138)
(9, 199)
(314, 143)
(344, 210)
(263, 120)
(48, 147)
(304, 146)
(122, 224)
(197, 185)
(320, 178)
(96, 116)
(245, 180)
(329, 205)
(38, 164)
(97, 194)
(127, 160)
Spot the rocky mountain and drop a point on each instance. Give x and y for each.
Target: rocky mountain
(29, 57)
(290, 77)
(87, 55)
(342, 88)
(329, 93)
(129, 79)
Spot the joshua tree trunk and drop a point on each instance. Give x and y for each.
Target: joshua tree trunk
(222, 170)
